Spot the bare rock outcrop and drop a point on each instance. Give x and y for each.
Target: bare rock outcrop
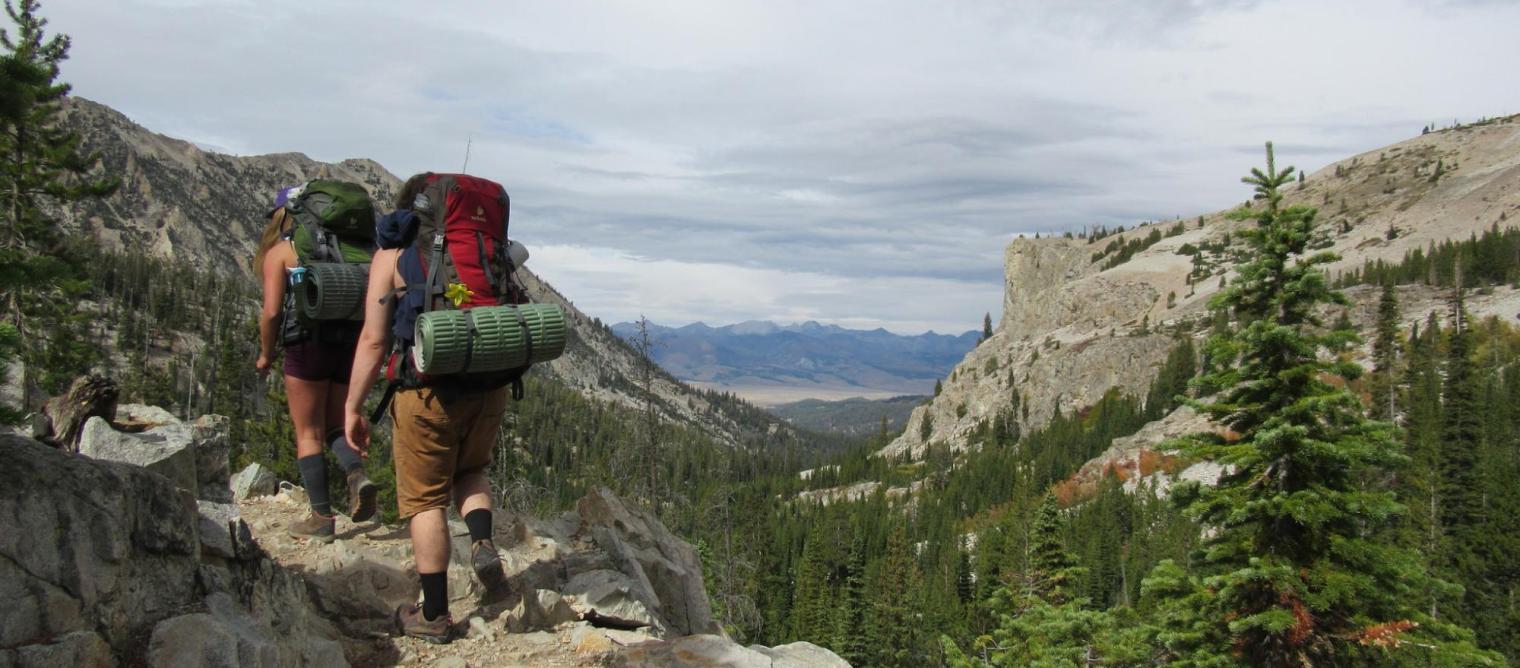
(1081, 318)
(97, 557)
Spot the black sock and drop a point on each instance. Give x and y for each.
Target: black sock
(314, 477)
(348, 458)
(435, 595)
(479, 522)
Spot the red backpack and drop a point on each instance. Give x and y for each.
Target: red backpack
(455, 257)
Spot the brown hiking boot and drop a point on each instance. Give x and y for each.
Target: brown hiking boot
(315, 527)
(487, 565)
(410, 622)
(361, 496)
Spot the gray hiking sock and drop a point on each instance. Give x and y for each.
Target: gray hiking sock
(348, 458)
(314, 478)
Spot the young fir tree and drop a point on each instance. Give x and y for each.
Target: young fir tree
(1296, 573)
(1040, 620)
(1461, 490)
(986, 327)
(895, 624)
(812, 599)
(1385, 355)
(42, 278)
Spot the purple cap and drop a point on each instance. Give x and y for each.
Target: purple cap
(283, 196)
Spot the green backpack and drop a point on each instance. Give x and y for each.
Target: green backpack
(333, 231)
(334, 222)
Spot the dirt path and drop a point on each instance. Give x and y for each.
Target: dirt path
(369, 569)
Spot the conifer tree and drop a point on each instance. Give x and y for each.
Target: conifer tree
(1040, 621)
(1298, 576)
(986, 326)
(41, 278)
(1461, 488)
(1385, 354)
(895, 626)
(812, 602)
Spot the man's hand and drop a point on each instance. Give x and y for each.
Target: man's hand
(262, 365)
(356, 428)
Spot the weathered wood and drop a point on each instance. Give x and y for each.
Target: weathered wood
(63, 416)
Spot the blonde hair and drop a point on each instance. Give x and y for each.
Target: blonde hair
(273, 232)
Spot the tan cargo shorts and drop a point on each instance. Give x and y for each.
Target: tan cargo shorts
(437, 439)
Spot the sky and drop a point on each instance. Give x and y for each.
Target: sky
(857, 163)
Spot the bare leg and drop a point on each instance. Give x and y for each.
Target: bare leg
(430, 540)
(308, 400)
(472, 491)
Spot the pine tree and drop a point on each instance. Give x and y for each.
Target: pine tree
(1461, 458)
(850, 635)
(1298, 575)
(895, 626)
(1040, 621)
(1385, 355)
(42, 278)
(986, 326)
(812, 601)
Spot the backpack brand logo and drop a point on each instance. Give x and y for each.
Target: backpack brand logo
(480, 214)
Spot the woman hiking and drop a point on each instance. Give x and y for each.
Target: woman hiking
(316, 366)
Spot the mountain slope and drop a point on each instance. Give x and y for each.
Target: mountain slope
(765, 361)
(204, 209)
(1082, 316)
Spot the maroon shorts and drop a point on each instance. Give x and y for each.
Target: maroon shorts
(319, 361)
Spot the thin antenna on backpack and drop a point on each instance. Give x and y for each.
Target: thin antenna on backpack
(465, 169)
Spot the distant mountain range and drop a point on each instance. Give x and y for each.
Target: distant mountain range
(770, 363)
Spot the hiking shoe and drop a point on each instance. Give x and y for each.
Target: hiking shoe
(410, 622)
(487, 565)
(361, 496)
(314, 527)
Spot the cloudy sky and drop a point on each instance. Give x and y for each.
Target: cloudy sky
(859, 163)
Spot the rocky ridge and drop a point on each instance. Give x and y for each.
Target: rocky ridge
(1073, 327)
(146, 553)
(204, 208)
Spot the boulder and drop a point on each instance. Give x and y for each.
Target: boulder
(83, 649)
(705, 651)
(654, 559)
(107, 563)
(153, 450)
(801, 655)
(223, 532)
(193, 455)
(612, 599)
(120, 550)
(253, 480)
(540, 609)
(712, 651)
(228, 636)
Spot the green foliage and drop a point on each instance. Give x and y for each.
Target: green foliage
(41, 270)
(1479, 260)
(1298, 575)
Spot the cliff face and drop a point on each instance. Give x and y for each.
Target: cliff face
(1073, 327)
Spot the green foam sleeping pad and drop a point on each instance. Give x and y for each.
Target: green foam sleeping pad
(333, 291)
(443, 339)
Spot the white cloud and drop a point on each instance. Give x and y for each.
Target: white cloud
(618, 287)
(887, 142)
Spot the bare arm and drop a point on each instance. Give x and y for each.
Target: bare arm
(274, 280)
(374, 342)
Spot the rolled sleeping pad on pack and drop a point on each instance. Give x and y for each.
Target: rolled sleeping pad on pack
(333, 291)
(445, 345)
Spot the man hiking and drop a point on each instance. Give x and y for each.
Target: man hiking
(447, 229)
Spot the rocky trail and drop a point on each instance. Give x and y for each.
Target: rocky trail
(142, 549)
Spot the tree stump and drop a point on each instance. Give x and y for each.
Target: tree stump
(63, 417)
